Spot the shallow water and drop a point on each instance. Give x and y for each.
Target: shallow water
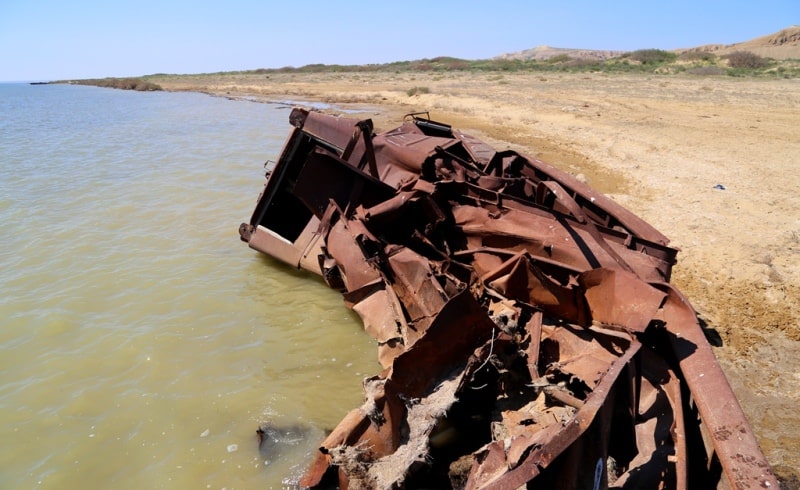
(142, 343)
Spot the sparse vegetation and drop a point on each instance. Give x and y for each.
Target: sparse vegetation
(697, 56)
(138, 84)
(559, 58)
(653, 61)
(706, 71)
(746, 59)
(645, 61)
(417, 90)
(651, 56)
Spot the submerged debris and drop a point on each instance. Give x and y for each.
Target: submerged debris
(526, 327)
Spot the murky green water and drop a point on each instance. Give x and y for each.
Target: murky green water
(142, 343)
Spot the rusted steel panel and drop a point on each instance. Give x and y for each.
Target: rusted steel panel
(526, 329)
(620, 299)
(734, 443)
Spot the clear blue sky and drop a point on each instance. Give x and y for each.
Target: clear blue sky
(57, 39)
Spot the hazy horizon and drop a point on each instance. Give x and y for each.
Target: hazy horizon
(50, 40)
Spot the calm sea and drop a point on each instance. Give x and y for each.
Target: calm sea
(141, 343)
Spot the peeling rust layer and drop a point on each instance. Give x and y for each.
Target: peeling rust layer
(526, 328)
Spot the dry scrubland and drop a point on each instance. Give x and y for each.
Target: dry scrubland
(712, 162)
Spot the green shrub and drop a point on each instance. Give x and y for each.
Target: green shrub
(697, 56)
(417, 90)
(583, 64)
(559, 58)
(457, 65)
(746, 59)
(652, 56)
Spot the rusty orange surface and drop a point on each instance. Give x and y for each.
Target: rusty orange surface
(527, 331)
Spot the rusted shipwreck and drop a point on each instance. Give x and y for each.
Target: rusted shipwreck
(526, 327)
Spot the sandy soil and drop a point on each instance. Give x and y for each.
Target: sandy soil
(714, 163)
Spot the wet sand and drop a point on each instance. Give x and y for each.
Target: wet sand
(714, 163)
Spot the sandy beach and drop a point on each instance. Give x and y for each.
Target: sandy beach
(714, 163)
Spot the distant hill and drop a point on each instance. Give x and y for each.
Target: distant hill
(782, 45)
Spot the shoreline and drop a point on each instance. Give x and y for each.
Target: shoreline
(710, 162)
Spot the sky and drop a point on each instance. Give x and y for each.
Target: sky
(44, 40)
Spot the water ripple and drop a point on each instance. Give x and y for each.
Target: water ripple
(133, 318)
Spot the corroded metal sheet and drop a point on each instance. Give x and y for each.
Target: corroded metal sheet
(526, 328)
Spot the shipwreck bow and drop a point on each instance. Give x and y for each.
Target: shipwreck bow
(526, 327)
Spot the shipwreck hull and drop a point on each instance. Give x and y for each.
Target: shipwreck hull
(526, 328)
